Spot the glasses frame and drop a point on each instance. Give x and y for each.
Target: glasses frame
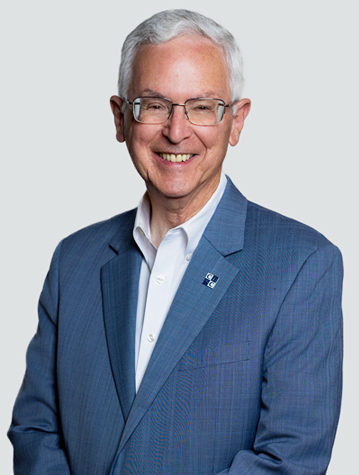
(221, 101)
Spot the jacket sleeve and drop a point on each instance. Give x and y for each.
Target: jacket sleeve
(302, 379)
(35, 431)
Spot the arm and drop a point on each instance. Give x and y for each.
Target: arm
(35, 431)
(301, 389)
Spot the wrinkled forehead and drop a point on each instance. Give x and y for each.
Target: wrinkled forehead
(183, 64)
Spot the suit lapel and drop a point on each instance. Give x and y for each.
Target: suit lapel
(194, 302)
(119, 280)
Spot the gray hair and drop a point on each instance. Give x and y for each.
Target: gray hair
(169, 24)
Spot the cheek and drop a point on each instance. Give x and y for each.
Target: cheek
(142, 133)
(138, 138)
(214, 140)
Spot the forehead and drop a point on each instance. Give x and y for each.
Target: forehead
(185, 66)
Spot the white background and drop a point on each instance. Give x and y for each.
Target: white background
(62, 168)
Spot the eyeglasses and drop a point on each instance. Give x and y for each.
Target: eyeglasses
(156, 110)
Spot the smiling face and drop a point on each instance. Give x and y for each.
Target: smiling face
(179, 160)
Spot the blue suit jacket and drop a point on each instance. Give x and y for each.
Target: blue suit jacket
(245, 377)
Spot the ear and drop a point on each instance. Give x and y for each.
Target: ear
(116, 106)
(242, 110)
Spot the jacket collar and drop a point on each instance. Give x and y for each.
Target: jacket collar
(225, 231)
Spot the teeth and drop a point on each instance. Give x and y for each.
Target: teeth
(171, 157)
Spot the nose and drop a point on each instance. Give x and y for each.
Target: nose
(177, 127)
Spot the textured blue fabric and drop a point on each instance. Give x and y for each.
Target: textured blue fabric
(245, 378)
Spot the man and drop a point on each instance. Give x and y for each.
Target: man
(200, 333)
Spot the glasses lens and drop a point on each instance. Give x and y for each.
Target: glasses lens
(151, 110)
(205, 111)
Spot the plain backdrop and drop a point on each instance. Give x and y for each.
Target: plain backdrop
(62, 169)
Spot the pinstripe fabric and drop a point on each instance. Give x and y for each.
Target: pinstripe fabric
(245, 377)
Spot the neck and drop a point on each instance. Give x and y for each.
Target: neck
(167, 213)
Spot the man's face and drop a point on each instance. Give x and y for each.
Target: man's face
(181, 69)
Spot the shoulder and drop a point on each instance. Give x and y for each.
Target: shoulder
(264, 228)
(284, 239)
(103, 231)
(273, 226)
(97, 242)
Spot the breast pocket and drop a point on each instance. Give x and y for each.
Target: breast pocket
(223, 354)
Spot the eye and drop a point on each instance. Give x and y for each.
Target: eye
(201, 107)
(154, 105)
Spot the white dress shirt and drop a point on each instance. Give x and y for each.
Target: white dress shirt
(162, 271)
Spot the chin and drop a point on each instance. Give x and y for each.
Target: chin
(174, 193)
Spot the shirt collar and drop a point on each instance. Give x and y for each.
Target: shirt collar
(192, 229)
(142, 232)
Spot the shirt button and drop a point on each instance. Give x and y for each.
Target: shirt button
(151, 337)
(188, 257)
(160, 279)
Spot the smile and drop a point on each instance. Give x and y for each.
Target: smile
(180, 157)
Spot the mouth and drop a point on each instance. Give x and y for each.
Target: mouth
(176, 157)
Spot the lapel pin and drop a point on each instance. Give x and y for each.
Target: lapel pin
(210, 280)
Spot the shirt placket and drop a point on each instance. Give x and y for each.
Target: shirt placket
(159, 295)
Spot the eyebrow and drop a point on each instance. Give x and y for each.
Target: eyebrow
(151, 92)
